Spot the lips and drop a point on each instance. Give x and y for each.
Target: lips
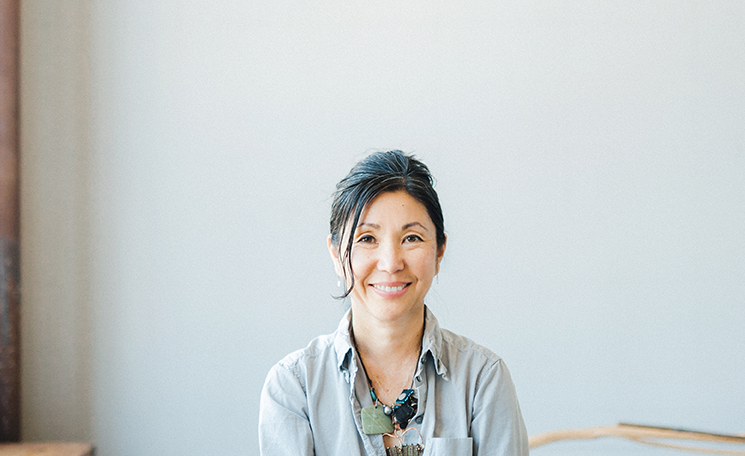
(388, 288)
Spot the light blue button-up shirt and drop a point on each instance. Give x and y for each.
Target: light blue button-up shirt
(311, 401)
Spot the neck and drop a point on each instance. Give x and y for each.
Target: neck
(391, 341)
(389, 352)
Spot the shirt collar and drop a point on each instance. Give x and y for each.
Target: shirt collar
(431, 343)
(343, 343)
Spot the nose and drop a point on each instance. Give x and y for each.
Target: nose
(390, 257)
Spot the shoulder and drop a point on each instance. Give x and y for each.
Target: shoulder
(317, 351)
(481, 372)
(455, 353)
(466, 361)
(460, 349)
(321, 358)
(289, 383)
(321, 361)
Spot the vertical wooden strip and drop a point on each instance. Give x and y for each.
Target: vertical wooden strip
(10, 365)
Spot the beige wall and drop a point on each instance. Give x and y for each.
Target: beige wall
(55, 312)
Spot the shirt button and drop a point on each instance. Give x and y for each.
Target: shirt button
(419, 419)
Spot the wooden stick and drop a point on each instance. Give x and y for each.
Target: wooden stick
(643, 434)
(692, 435)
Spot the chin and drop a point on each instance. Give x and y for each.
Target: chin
(391, 313)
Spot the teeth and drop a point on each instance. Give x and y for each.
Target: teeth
(389, 289)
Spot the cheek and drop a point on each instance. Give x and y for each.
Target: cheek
(361, 263)
(426, 264)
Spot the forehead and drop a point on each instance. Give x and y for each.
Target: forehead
(395, 207)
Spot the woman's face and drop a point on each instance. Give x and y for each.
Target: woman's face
(394, 258)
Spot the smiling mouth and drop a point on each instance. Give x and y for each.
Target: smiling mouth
(390, 289)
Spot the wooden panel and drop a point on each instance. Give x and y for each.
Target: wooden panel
(46, 449)
(10, 377)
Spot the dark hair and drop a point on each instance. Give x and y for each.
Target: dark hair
(378, 173)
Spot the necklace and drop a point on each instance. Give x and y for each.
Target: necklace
(385, 419)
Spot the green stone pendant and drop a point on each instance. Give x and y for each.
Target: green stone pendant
(375, 421)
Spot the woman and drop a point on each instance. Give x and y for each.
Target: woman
(389, 380)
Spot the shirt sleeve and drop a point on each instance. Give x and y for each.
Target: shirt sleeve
(284, 428)
(497, 424)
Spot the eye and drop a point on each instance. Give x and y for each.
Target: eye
(413, 238)
(366, 239)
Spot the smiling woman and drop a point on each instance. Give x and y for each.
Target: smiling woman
(389, 369)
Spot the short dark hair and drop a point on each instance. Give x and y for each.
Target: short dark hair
(379, 173)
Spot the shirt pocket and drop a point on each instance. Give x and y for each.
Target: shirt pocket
(448, 447)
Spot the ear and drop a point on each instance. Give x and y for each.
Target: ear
(334, 252)
(440, 254)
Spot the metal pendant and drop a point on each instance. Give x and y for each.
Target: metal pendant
(401, 449)
(413, 449)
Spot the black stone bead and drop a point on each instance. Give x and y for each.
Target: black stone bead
(403, 414)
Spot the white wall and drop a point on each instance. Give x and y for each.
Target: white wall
(178, 159)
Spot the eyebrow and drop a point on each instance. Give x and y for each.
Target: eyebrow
(405, 227)
(409, 225)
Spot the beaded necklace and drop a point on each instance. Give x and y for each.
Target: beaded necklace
(392, 420)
